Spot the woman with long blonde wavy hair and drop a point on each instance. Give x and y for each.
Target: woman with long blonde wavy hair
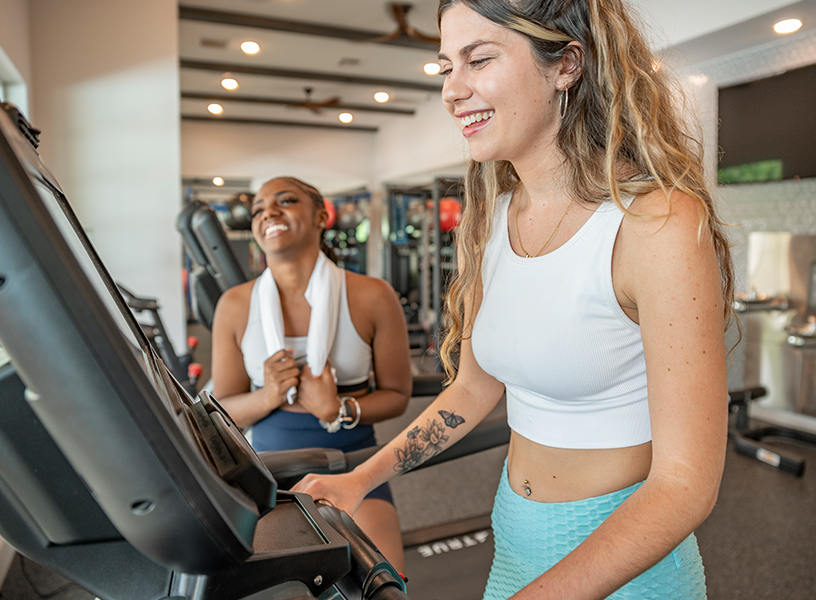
(594, 289)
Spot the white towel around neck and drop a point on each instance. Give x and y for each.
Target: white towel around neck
(323, 295)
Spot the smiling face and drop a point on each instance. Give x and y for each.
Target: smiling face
(505, 104)
(285, 217)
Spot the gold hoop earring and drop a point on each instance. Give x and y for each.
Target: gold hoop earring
(562, 108)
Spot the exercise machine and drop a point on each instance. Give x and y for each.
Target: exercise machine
(348, 230)
(181, 366)
(748, 442)
(419, 253)
(112, 474)
(779, 343)
(215, 266)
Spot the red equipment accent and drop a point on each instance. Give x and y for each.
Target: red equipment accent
(332, 212)
(194, 371)
(450, 213)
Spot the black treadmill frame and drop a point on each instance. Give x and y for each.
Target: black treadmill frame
(177, 491)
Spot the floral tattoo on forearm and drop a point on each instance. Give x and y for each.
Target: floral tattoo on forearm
(424, 442)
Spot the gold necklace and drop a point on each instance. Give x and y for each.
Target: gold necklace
(557, 225)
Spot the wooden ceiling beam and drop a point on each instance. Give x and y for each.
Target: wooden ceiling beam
(221, 17)
(292, 102)
(313, 75)
(245, 121)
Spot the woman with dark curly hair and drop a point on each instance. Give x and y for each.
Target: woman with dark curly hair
(294, 349)
(594, 288)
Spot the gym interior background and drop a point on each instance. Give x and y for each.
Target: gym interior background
(121, 91)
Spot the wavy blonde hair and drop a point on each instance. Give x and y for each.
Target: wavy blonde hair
(622, 134)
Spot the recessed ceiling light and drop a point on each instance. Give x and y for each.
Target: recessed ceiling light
(381, 97)
(346, 117)
(432, 68)
(788, 26)
(215, 109)
(228, 83)
(250, 47)
(219, 181)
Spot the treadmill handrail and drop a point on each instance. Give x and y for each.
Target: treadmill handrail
(290, 466)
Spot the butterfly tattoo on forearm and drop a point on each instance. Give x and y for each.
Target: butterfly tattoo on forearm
(422, 443)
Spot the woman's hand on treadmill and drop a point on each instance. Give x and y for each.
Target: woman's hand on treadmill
(345, 491)
(318, 393)
(280, 374)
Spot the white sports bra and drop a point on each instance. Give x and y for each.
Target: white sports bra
(551, 329)
(350, 356)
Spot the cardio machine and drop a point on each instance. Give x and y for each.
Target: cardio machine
(181, 366)
(112, 474)
(215, 266)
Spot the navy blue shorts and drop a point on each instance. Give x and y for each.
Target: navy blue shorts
(284, 430)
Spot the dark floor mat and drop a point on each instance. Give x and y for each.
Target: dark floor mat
(27, 580)
(451, 568)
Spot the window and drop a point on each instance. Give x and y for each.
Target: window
(12, 85)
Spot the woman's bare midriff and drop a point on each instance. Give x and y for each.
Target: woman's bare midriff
(564, 475)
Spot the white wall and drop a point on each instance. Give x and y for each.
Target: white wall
(332, 161)
(429, 143)
(106, 96)
(15, 56)
(14, 37)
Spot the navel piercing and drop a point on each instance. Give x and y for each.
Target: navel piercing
(527, 489)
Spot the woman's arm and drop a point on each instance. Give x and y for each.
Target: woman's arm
(674, 285)
(454, 413)
(389, 345)
(231, 384)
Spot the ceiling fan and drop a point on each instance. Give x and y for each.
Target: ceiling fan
(313, 106)
(399, 12)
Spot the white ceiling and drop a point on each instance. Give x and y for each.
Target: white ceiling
(677, 21)
(701, 28)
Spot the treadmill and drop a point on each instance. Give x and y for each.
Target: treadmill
(215, 268)
(112, 474)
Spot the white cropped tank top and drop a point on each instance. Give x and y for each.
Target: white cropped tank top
(350, 356)
(551, 329)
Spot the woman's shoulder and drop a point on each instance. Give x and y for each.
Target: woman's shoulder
(365, 284)
(233, 305)
(663, 234)
(662, 214)
(368, 292)
(238, 295)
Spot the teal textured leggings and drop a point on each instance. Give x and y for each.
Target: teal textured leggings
(530, 537)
